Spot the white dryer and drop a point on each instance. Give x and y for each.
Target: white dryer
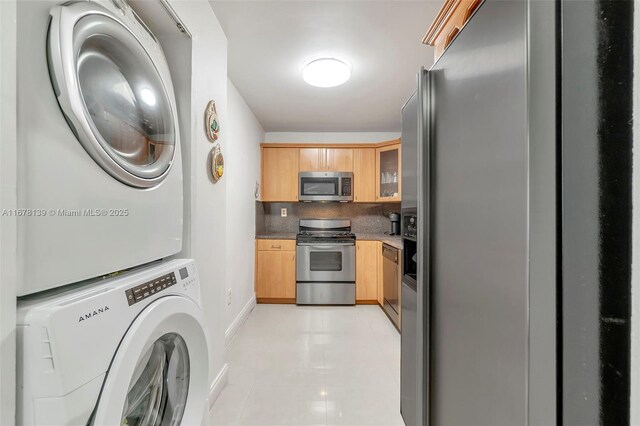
(99, 164)
(130, 350)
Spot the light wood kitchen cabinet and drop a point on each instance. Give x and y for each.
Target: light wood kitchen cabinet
(380, 278)
(276, 245)
(376, 169)
(326, 159)
(452, 17)
(339, 159)
(312, 159)
(275, 271)
(279, 174)
(367, 254)
(389, 174)
(364, 175)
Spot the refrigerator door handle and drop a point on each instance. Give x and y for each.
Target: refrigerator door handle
(424, 220)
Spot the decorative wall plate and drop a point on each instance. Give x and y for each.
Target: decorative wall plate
(217, 163)
(211, 123)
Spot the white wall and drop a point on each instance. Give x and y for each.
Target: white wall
(208, 200)
(7, 201)
(330, 137)
(242, 172)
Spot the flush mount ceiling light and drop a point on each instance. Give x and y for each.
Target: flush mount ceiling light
(326, 72)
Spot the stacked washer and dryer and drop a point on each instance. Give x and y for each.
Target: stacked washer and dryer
(101, 187)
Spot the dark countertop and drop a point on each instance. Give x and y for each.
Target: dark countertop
(277, 236)
(392, 240)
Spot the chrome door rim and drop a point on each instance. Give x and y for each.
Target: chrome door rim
(172, 314)
(63, 46)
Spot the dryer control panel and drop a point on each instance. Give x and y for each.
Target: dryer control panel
(150, 288)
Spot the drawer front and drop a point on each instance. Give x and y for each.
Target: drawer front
(276, 245)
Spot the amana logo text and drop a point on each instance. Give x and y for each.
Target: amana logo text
(93, 314)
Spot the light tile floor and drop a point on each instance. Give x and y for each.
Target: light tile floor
(295, 365)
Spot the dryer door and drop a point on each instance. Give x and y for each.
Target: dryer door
(112, 93)
(159, 374)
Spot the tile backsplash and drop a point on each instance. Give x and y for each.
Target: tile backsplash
(365, 218)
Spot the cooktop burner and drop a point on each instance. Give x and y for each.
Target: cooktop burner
(322, 234)
(325, 231)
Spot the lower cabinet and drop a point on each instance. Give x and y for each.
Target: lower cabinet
(380, 276)
(275, 271)
(367, 254)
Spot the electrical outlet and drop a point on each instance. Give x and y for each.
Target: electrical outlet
(228, 296)
(283, 212)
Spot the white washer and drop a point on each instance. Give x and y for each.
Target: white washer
(99, 161)
(131, 350)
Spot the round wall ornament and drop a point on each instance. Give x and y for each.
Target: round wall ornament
(217, 163)
(211, 123)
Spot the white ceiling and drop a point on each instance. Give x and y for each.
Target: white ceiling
(269, 41)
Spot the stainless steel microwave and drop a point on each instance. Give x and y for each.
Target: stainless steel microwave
(325, 186)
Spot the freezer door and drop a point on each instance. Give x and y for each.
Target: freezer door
(410, 153)
(479, 244)
(409, 391)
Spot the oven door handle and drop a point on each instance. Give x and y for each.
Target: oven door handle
(331, 246)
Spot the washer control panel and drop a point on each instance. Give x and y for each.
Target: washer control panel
(150, 288)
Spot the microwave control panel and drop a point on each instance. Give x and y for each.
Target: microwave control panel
(346, 186)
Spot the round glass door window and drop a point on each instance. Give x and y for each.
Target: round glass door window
(118, 107)
(159, 388)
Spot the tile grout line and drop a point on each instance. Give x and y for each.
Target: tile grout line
(245, 401)
(251, 389)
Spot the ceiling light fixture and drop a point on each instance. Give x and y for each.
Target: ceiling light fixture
(326, 72)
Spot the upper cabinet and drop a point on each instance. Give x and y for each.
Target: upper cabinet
(279, 174)
(364, 175)
(448, 23)
(376, 169)
(388, 174)
(312, 159)
(339, 159)
(326, 160)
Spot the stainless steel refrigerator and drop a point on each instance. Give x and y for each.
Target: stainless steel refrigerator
(478, 291)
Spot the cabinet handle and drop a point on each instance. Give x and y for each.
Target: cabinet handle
(276, 246)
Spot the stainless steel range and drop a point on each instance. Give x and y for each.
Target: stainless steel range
(325, 262)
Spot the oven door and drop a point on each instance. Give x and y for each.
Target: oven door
(335, 262)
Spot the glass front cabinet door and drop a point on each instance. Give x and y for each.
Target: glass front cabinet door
(388, 168)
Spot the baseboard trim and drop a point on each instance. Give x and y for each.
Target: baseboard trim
(367, 302)
(277, 301)
(239, 320)
(218, 385)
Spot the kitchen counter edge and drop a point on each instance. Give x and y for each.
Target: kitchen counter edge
(394, 241)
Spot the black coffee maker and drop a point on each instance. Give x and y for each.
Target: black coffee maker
(395, 223)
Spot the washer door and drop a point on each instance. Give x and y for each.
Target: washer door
(159, 373)
(111, 92)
